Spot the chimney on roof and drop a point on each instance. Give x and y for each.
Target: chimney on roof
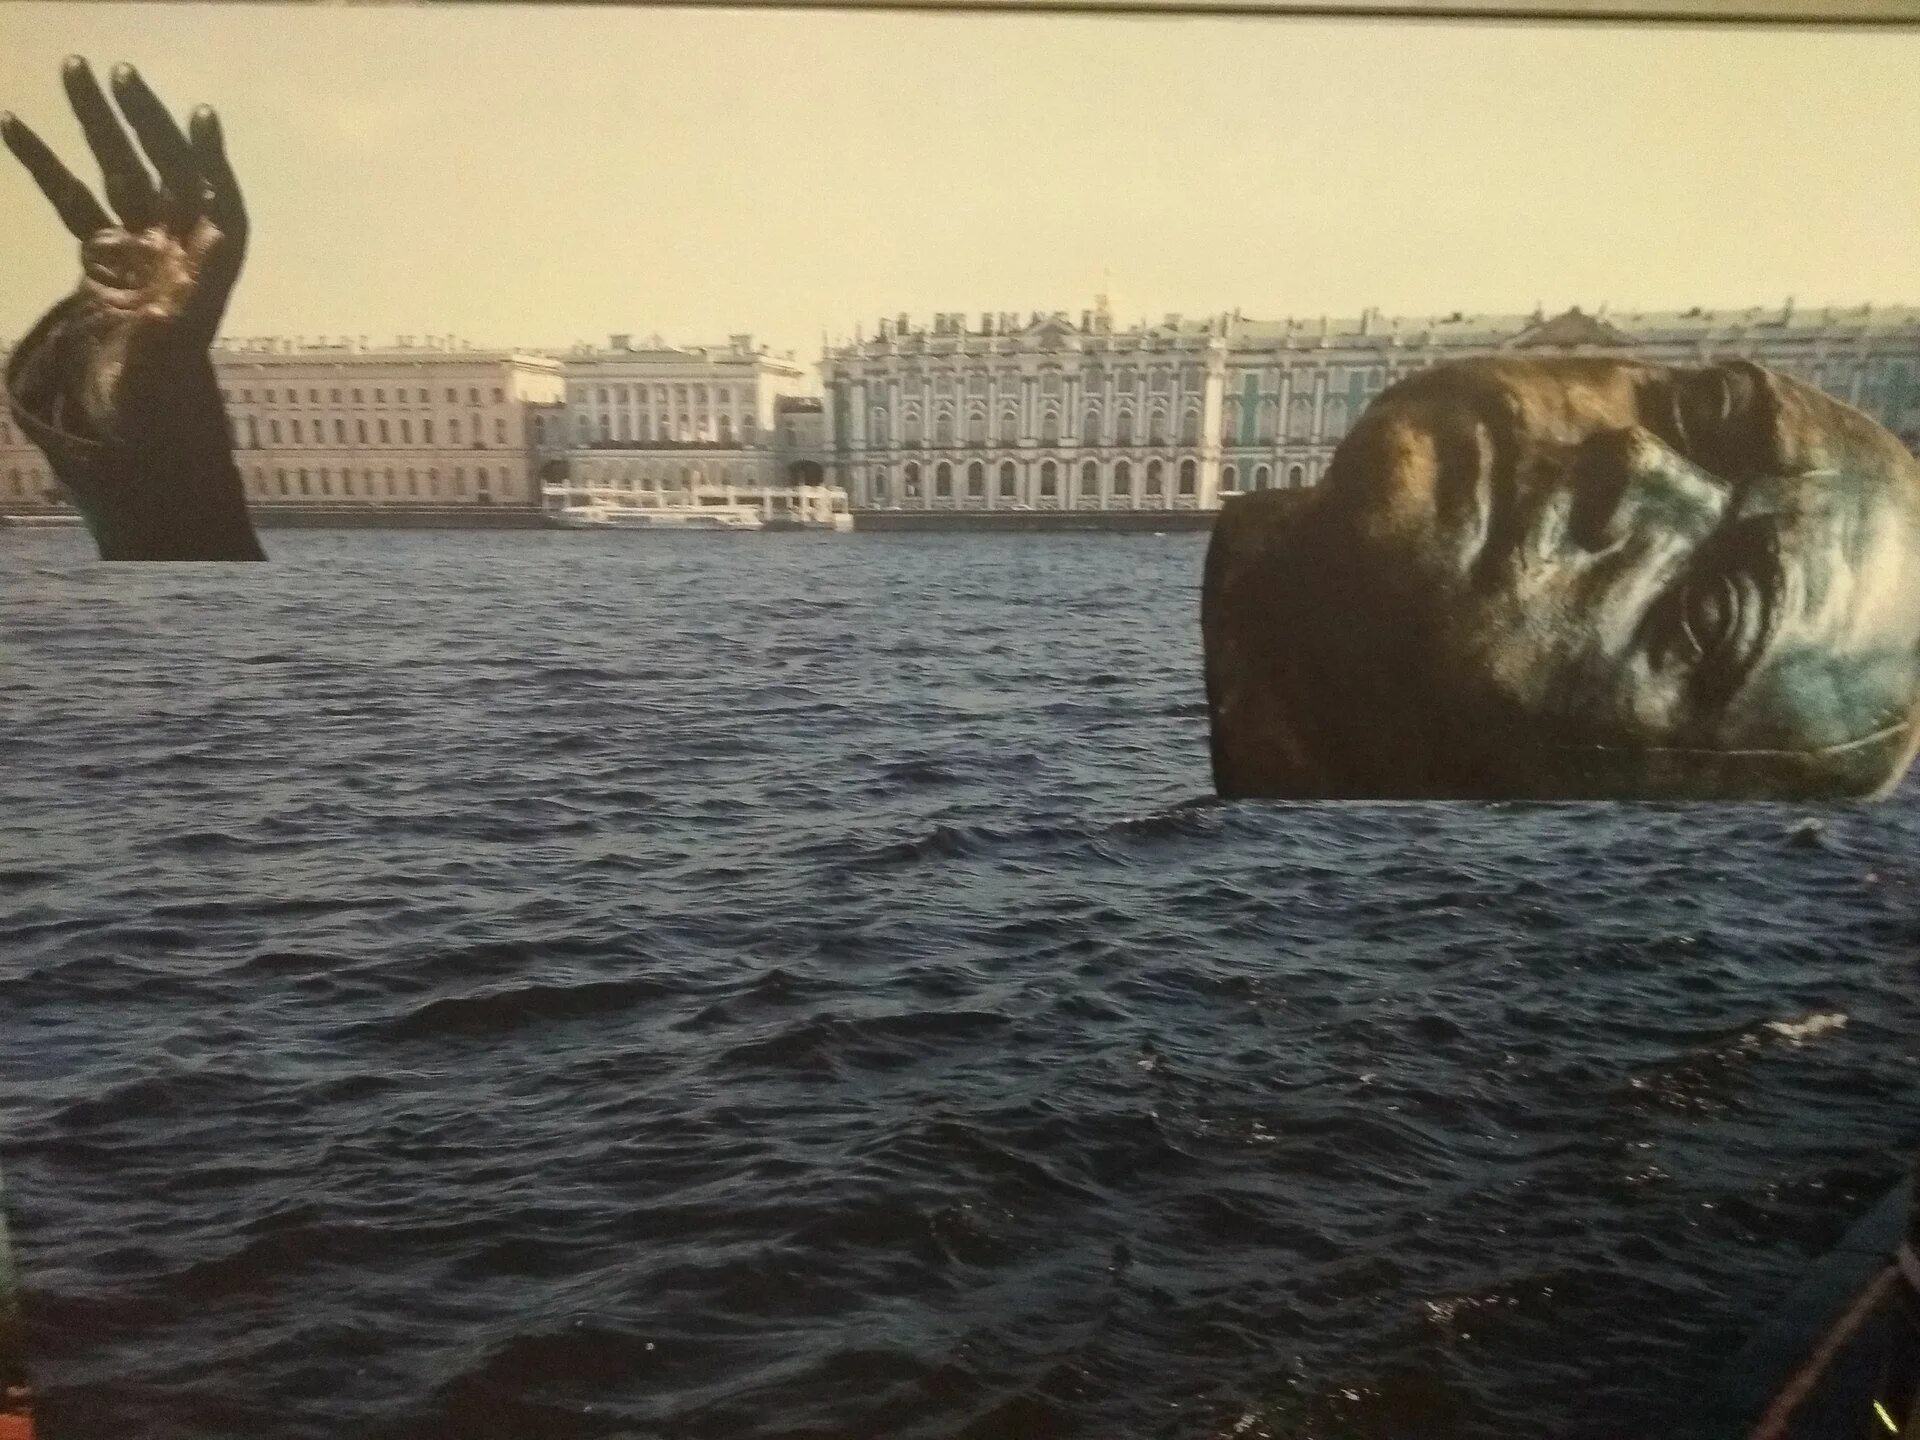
(619, 342)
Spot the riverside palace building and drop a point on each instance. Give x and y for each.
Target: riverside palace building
(1041, 413)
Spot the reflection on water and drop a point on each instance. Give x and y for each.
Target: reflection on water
(610, 985)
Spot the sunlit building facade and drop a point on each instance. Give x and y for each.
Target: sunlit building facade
(1044, 413)
(650, 416)
(341, 423)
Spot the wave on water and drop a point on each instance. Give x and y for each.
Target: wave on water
(684, 990)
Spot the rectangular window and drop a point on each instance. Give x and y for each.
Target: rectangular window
(383, 432)
(313, 397)
(406, 431)
(360, 429)
(379, 397)
(269, 395)
(335, 400)
(500, 432)
(356, 397)
(426, 432)
(473, 396)
(423, 395)
(453, 396)
(246, 397)
(273, 429)
(499, 396)
(339, 432)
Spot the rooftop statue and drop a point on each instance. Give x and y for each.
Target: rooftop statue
(115, 382)
(1575, 578)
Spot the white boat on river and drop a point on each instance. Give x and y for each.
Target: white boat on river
(698, 507)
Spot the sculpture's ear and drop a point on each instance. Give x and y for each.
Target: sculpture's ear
(1726, 418)
(1253, 612)
(1737, 419)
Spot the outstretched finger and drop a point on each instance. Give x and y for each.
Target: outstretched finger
(166, 147)
(129, 190)
(78, 210)
(224, 205)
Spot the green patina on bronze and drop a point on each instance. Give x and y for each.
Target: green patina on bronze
(1575, 579)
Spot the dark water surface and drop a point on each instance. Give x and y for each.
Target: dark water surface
(723, 986)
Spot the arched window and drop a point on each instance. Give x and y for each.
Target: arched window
(910, 423)
(913, 481)
(1190, 428)
(1050, 428)
(620, 426)
(1090, 479)
(726, 429)
(1157, 428)
(977, 428)
(1009, 427)
(1090, 427)
(1296, 478)
(1123, 428)
(877, 429)
(1262, 478)
(606, 432)
(1123, 479)
(1009, 481)
(1153, 478)
(1188, 476)
(879, 485)
(1334, 422)
(1229, 478)
(1300, 418)
(977, 481)
(943, 428)
(943, 480)
(1049, 478)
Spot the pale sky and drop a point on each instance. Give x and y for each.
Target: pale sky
(539, 176)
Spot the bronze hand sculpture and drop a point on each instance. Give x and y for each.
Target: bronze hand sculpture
(115, 383)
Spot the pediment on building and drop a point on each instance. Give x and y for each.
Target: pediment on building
(1568, 329)
(1050, 327)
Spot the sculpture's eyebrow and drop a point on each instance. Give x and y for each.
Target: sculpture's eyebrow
(1491, 473)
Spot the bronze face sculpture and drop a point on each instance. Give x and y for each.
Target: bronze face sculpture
(115, 383)
(1575, 579)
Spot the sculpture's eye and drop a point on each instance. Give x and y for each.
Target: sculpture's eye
(1719, 618)
(1710, 614)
